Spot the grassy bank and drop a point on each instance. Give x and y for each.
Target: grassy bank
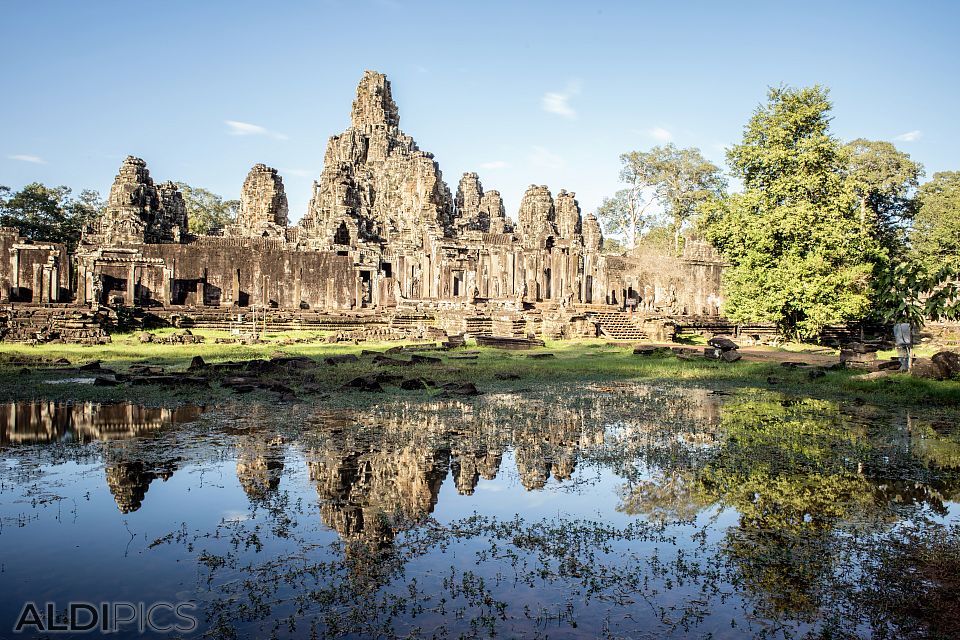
(26, 371)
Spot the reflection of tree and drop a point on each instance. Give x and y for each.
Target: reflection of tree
(670, 495)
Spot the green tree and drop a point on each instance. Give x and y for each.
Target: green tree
(626, 213)
(49, 214)
(935, 237)
(792, 236)
(206, 210)
(681, 181)
(883, 179)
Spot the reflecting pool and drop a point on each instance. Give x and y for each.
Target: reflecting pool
(601, 510)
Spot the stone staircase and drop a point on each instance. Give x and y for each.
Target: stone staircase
(620, 326)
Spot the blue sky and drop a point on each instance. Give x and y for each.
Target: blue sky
(521, 92)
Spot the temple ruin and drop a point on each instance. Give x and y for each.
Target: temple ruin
(384, 242)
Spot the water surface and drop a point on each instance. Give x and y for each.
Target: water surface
(618, 510)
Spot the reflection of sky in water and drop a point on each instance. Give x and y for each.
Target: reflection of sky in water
(116, 502)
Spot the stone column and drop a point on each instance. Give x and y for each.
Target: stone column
(82, 284)
(54, 283)
(298, 289)
(236, 287)
(15, 273)
(131, 285)
(37, 283)
(202, 290)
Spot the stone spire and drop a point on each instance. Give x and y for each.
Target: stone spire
(569, 223)
(592, 234)
(263, 203)
(536, 216)
(491, 208)
(376, 185)
(138, 211)
(374, 105)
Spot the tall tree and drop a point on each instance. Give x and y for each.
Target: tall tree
(935, 237)
(792, 236)
(50, 214)
(883, 179)
(206, 210)
(627, 213)
(681, 180)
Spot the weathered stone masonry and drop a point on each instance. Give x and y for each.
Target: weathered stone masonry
(382, 233)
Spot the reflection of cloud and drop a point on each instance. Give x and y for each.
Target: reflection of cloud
(237, 128)
(495, 164)
(541, 157)
(22, 157)
(233, 515)
(559, 102)
(909, 136)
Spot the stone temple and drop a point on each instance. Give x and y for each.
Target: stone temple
(384, 243)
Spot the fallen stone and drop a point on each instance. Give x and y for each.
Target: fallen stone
(464, 356)
(105, 381)
(145, 369)
(419, 359)
(789, 364)
(341, 359)
(465, 389)
(413, 384)
(170, 381)
(926, 368)
(948, 363)
(145, 337)
(874, 375)
(891, 365)
(61, 361)
(387, 361)
(506, 376)
(197, 363)
(363, 383)
(541, 356)
(723, 343)
(644, 351)
(712, 353)
(295, 362)
(730, 356)
(813, 374)
(90, 366)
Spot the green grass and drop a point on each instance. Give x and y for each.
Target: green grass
(575, 360)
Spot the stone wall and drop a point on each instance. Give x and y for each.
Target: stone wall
(382, 231)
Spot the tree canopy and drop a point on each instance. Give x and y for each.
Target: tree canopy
(50, 214)
(935, 237)
(883, 180)
(681, 180)
(663, 182)
(797, 257)
(206, 210)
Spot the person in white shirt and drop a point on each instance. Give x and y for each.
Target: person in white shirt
(903, 338)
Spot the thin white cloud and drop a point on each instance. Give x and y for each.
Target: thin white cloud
(494, 164)
(660, 134)
(22, 157)
(544, 158)
(237, 128)
(909, 136)
(558, 102)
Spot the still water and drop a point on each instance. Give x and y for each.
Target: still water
(619, 510)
